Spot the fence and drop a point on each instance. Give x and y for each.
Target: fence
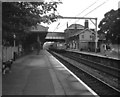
(8, 53)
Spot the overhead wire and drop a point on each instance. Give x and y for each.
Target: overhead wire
(88, 12)
(96, 7)
(88, 7)
(82, 11)
(56, 27)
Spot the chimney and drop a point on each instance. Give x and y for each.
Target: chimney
(86, 24)
(75, 26)
(67, 24)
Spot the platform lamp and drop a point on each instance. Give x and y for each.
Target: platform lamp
(14, 36)
(14, 54)
(118, 45)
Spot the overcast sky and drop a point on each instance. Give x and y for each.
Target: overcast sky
(73, 8)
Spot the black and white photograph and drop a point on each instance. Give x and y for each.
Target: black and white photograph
(63, 48)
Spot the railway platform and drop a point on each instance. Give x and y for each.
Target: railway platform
(42, 74)
(108, 54)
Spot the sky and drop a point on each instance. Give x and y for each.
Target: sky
(73, 8)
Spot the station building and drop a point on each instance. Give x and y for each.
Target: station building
(80, 37)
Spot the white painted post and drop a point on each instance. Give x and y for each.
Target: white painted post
(96, 36)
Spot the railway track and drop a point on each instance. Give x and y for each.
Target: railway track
(112, 71)
(99, 86)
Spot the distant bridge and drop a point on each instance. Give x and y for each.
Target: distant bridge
(44, 36)
(55, 36)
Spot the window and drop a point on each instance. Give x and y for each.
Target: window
(90, 36)
(82, 36)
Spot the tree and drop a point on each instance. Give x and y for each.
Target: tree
(109, 26)
(17, 17)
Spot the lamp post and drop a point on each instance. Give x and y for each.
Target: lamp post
(118, 45)
(118, 51)
(14, 39)
(14, 55)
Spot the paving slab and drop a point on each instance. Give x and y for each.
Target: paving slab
(69, 83)
(41, 75)
(29, 76)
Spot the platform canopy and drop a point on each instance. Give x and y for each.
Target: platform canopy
(38, 28)
(38, 31)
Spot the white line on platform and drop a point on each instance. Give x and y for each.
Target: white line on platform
(78, 78)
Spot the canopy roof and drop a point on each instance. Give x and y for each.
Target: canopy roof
(38, 30)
